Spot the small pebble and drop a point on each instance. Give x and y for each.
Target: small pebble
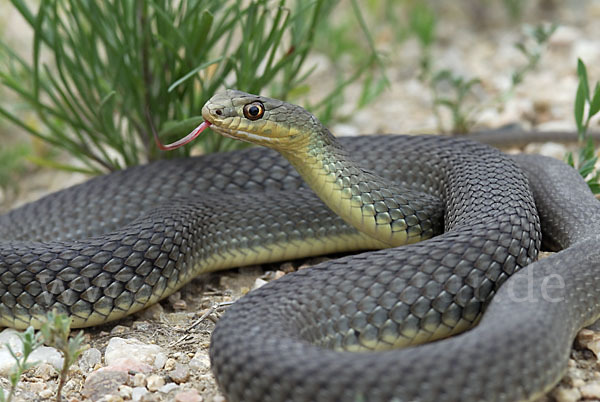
(119, 329)
(170, 364)
(201, 361)
(100, 383)
(89, 359)
(141, 326)
(74, 369)
(37, 387)
(159, 360)
(117, 348)
(578, 382)
(139, 380)
(154, 382)
(258, 283)
(112, 398)
(180, 305)
(138, 392)
(566, 394)
(590, 390)
(46, 394)
(219, 398)
(590, 340)
(287, 267)
(45, 371)
(128, 365)
(125, 391)
(165, 389)
(180, 374)
(71, 385)
(150, 397)
(189, 396)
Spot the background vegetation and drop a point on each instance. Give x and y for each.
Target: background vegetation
(101, 77)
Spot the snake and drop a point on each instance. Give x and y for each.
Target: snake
(441, 299)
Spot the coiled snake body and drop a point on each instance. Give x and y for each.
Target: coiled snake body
(111, 246)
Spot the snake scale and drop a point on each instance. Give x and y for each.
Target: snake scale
(118, 243)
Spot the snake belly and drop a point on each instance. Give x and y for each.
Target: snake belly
(116, 244)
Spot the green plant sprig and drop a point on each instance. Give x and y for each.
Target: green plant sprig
(586, 155)
(55, 332)
(455, 92)
(30, 341)
(114, 72)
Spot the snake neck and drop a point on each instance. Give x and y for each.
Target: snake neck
(373, 205)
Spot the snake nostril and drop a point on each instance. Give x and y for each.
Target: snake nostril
(219, 112)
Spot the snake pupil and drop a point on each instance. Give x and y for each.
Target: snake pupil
(254, 111)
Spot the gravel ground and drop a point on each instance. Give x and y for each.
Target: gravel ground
(171, 356)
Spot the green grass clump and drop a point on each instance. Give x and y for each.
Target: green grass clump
(587, 105)
(106, 75)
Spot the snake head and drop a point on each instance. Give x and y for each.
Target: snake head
(260, 120)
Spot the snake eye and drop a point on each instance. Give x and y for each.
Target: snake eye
(254, 110)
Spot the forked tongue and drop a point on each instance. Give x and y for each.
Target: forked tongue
(179, 143)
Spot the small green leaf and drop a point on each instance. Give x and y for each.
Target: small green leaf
(589, 150)
(594, 186)
(587, 167)
(579, 106)
(595, 103)
(106, 99)
(193, 72)
(422, 21)
(569, 159)
(521, 47)
(583, 79)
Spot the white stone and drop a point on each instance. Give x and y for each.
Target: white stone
(165, 389)
(138, 392)
(42, 354)
(159, 360)
(139, 380)
(258, 283)
(46, 394)
(590, 390)
(118, 348)
(125, 391)
(566, 394)
(154, 382)
(89, 359)
(200, 361)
